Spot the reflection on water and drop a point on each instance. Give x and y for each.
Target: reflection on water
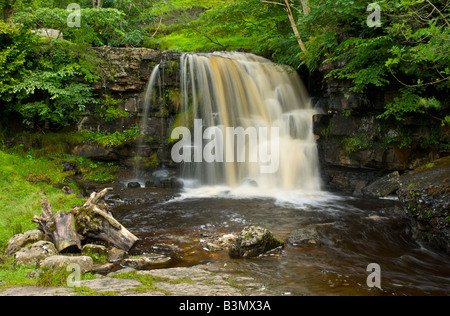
(353, 233)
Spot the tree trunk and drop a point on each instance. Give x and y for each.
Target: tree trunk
(8, 12)
(97, 4)
(306, 11)
(305, 6)
(294, 26)
(65, 235)
(67, 229)
(59, 227)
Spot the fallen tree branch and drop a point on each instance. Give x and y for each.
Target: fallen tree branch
(67, 229)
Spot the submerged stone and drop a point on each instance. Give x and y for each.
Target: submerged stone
(305, 237)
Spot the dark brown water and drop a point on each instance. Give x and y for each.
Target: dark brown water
(353, 232)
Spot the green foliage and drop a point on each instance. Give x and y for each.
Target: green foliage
(410, 49)
(16, 45)
(356, 143)
(207, 26)
(102, 173)
(39, 78)
(98, 27)
(109, 109)
(409, 102)
(112, 140)
(361, 61)
(61, 101)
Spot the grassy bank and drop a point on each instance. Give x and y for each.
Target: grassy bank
(24, 180)
(32, 166)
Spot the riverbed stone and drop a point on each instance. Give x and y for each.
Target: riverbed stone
(305, 237)
(383, 186)
(253, 241)
(145, 262)
(19, 241)
(116, 254)
(134, 185)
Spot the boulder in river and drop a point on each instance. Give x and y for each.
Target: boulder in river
(383, 186)
(134, 185)
(253, 241)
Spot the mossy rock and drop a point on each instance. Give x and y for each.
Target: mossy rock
(425, 194)
(252, 242)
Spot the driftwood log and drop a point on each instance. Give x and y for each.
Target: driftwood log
(59, 227)
(67, 229)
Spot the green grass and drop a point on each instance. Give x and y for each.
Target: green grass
(24, 180)
(15, 275)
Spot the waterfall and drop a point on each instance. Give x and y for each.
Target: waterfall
(249, 94)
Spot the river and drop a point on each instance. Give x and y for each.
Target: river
(354, 232)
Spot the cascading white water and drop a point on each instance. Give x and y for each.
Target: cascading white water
(248, 91)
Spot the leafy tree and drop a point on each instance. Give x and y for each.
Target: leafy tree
(39, 78)
(16, 47)
(409, 49)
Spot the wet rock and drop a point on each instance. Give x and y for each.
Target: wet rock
(212, 247)
(165, 247)
(115, 254)
(19, 241)
(150, 184)
(253, 241)
(145, 262)
(134, 185)
(218, 243)
(384, 186)
(425, 194)
(67, 166)
(177, 183)
(161, 174)
(305, 237)
(250, 182)
(57, 262)
(103, 269)
(35, 253)
(110, 284)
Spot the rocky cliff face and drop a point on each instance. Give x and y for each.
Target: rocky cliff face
(425, 193)
(357, 148)
(125, 75)
(365, 155)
